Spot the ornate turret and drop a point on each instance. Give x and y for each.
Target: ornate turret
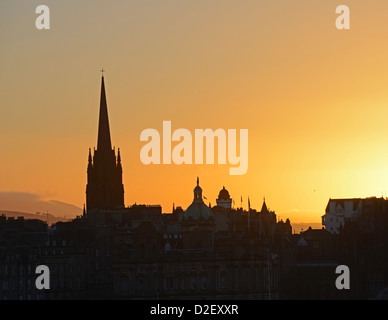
(198, 210)
(224, 199)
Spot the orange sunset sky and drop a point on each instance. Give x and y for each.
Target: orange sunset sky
(314, 98)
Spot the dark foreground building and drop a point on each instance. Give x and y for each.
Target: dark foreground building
(138, 252)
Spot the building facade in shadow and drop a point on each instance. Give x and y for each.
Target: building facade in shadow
(115, 251)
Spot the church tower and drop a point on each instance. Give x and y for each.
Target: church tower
(105, 189)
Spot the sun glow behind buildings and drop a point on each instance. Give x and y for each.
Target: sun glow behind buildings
(313, 98)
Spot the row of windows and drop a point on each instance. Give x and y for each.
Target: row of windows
(172, 236)
(29, 284)
(168, 284)
(13, 270)
(249, 279)
(23, 297)
(185, 267)
(170, 268)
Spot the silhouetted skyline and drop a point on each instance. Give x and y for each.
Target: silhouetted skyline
(153, 151)
(313, 97)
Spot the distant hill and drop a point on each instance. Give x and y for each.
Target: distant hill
(29, 203)
(39, 216)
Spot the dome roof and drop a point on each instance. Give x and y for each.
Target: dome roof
(198, 189)
(198, 210)
(224, 194)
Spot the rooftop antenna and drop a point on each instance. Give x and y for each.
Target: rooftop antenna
(249, 215)
(48, 228)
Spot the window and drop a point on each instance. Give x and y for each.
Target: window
(203, 282)
(170, 283)
(141, 283)
(222, 280)
(124, 287)
(141, 250)
(193, 283)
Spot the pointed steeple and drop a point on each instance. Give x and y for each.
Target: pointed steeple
(264, 207)
(105, 189)
(118, 157)
(90, 157)
(104, 142)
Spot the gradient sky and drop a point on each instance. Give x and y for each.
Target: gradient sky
(314, 98)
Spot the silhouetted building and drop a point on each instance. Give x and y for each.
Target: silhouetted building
(104, 188)
(224, 199)
(189, 258)
(203, 252)
(312, 275)
(341, 211)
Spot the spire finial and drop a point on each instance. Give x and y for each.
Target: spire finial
(118, 156)
(102, 71)
(197, 181)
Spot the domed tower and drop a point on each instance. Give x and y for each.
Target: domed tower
(198, 224)
(198, 210)
(224, 199)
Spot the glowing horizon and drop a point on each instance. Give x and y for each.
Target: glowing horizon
(313, 98)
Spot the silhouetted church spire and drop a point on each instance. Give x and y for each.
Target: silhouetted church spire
(105, 189)
(104, 142)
